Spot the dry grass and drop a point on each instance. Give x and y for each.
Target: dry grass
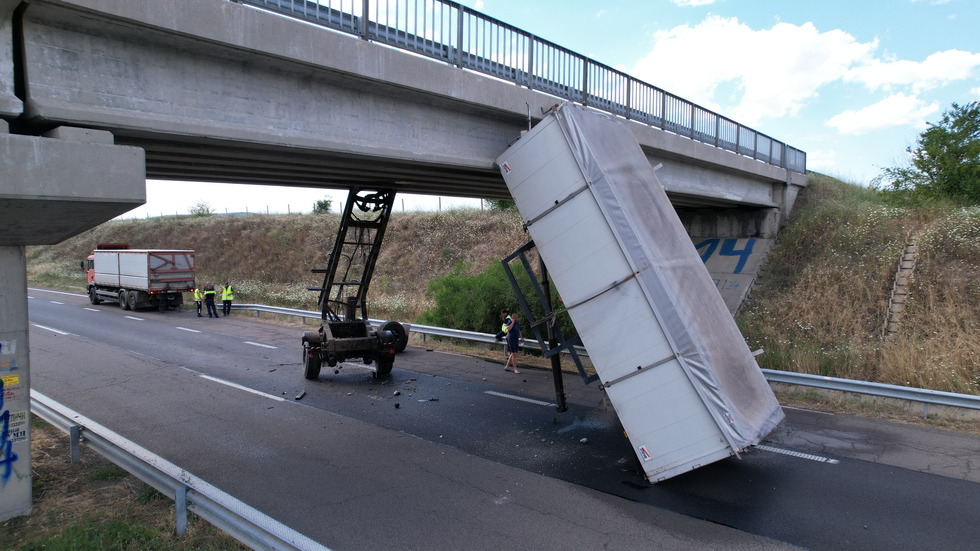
(824, 300)
(268, 258)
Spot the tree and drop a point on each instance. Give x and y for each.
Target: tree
(500, 204)
(201, 208)
(322, 206)
(945, 162)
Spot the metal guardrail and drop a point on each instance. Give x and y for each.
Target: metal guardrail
(189, 493)
(924, 396)
(454, 34)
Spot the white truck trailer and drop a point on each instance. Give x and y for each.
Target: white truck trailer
(672, 361)
(138, 278)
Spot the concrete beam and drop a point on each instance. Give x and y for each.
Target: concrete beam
(53, 188)
(258, 97)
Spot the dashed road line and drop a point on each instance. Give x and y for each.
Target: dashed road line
(55, 292)
(240, 387)
(134, 318)
(52, 329)
(800, 455)
(518, 398)
(91, 309)
(188, 330)
(810, 410)
(56, 302)
(260, 344)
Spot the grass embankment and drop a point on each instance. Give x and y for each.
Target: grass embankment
(267, 258)
(823, 300)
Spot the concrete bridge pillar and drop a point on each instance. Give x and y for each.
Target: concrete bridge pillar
(51, 187)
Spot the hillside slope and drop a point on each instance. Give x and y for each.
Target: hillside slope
(268, 258)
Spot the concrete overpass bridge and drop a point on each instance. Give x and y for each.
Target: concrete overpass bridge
(96, 96)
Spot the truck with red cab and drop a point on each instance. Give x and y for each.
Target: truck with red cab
(139, 278)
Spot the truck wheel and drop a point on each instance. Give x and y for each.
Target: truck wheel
(133, 297)
(385, 363)
(311, 362)
(93, 297)
(123, 299)
(398, 330)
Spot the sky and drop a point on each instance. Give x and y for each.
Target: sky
(852, 83)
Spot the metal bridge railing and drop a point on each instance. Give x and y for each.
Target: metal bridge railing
(240, 521)
(454, 34)
(920, 395)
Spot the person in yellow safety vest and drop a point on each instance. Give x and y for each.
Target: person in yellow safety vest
(209, 293)
(198, 297)
(227, 295)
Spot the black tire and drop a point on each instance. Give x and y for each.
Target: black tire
(385, 363)
(398, 330)
(132, 299)
(311, 362)
(93, 297)
(123, 299)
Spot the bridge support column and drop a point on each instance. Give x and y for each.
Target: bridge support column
(51, 188)
(15, 402)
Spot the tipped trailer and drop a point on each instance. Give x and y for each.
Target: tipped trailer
(344, 335)
(668, 354)
(139, 278)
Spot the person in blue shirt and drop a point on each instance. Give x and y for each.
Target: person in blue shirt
(514, 340)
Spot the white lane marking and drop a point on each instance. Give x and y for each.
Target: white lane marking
(51, 329)
(56, 302)
(92, 309)
(240, 387)
(134, 318)
(518, 398)
(260, 344)
(810, 410)
(188, 330)
(800, 455)
(57, 292)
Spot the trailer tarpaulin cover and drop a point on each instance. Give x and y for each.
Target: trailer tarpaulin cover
(696, 324)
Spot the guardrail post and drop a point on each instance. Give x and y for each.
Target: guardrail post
(180, 501)
(925, 410)
(75, 433)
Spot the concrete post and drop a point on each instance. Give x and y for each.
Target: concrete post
(15, 400)
(52, 187)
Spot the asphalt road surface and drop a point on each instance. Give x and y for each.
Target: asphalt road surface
(451, 452)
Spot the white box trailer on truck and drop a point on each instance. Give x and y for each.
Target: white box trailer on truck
(668, 353)
(138, 278)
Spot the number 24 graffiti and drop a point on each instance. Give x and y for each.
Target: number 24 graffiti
(727, 249)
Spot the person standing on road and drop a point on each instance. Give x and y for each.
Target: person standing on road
(198, 297)
(209, 293)
(514, 340)
(227, 295)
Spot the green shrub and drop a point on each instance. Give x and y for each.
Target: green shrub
(474, 302)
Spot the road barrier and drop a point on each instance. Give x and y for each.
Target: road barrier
(189, 493)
